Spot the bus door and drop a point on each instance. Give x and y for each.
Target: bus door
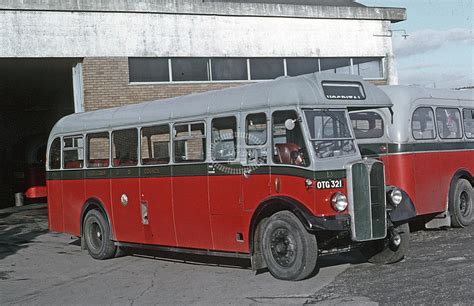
(190, 186)
(225, 182)
(125, 188)
(255, 159)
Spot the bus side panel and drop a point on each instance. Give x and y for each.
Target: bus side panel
(156, 194)
(399, 172)
(126, 210)
(191, 211)
(73, 201)
(226, 212)
(55, 207)
(100, 189)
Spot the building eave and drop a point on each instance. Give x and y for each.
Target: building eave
(194, 7)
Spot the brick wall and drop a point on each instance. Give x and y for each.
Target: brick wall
(106, 84)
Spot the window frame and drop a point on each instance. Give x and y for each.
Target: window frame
(112, 144)
(63, 161)
(236, 153)
(174, 138)
(461, 122)
(435, 124)
(87, 149)
(170, 141)
(464, 121)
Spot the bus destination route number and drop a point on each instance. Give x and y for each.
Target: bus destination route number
(329, 184)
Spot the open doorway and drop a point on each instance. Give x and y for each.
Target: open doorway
(34, 95)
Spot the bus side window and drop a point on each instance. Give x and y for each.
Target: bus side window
(55, 154)
(449, 123)
(98, 150)
(469, 122)
(422, 124)
(288, 145)
(256, 135)
(189, 142)
(73, 152)
(155, 145)
(223, 139)
(367, 125)
(124, 148)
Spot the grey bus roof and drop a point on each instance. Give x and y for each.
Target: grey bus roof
(407, 98)
(305, 91)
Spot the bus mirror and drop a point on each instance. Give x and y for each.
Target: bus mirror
(290, 124)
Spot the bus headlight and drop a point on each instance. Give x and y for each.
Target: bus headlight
(339, 202)
(396, 196)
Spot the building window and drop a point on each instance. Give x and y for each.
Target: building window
(336, 64)
(368, 67)
(298, 66)
(227, 69)
(148, 69)
(266, 68)
(219, 69)
(190, 69)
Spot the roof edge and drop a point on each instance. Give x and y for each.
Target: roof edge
(197, 7)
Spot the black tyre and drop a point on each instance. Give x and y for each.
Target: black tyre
(461, 204)
(385, 251)
(97, 236)
(290, 252)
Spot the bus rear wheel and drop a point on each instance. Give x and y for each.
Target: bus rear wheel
(290, 252)
(390, 250)
(97, 236)
(461, 204)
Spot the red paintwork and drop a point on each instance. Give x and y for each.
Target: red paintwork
(426, 177)
(36, 192)
(205, 212)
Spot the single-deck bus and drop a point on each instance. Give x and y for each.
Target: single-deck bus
(267, 171)
(427, 146)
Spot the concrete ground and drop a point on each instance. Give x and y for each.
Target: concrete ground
(38, 267)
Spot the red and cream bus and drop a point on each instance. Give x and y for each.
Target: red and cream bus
(267, 171)
(427, 146)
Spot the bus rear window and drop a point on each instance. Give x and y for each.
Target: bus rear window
(367, 125)
(55, 154)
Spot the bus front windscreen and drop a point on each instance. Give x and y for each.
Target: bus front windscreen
(330, 133)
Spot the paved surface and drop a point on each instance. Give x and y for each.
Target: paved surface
(38, 267)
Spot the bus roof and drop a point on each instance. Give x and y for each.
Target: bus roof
(305, 91)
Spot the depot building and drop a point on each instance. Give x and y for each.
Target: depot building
(60, 57)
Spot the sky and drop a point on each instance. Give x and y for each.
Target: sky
(439, 51)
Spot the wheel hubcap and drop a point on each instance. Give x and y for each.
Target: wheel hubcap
(95, 235)
(283, 247)
(465, 204)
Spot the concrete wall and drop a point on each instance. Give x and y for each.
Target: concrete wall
(84, 34)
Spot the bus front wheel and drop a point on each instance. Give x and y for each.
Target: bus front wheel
(290, 252)
(461, 204)
(97, 236)
(390, 250)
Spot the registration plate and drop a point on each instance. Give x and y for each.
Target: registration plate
(329, 184)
